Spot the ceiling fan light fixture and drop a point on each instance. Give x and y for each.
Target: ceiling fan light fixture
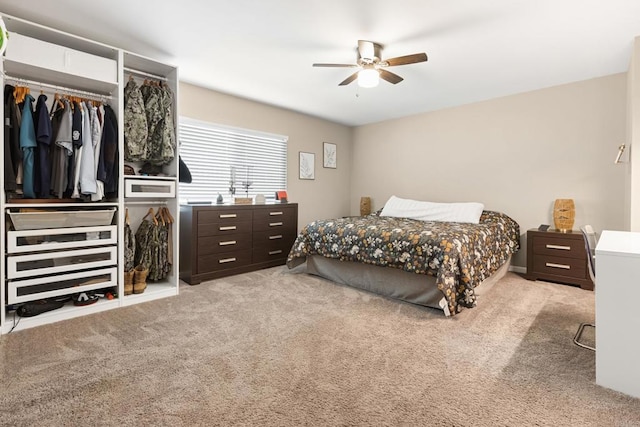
(369, 77)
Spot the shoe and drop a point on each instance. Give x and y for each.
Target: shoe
(128, 282)
(140, 279)
(84, 298)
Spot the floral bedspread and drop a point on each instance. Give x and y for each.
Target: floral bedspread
(459, 255)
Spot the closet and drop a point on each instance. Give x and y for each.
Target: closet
(69, 240)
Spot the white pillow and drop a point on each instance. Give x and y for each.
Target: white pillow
(429, 211)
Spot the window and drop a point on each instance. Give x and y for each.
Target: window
(214, 153)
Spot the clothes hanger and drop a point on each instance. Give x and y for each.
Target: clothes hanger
(153, 216)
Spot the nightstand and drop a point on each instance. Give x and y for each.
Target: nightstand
(557, 257)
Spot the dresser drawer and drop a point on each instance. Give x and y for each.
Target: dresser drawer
(275, 219)
(223, 261)
(564, 247)
(223, 216)
(269, 237)
(222, 229)
(223, 243)
(270, 252)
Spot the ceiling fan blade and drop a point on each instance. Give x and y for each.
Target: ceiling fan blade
(349, 79)
(404, 60)
(336, 65)
(389, 76)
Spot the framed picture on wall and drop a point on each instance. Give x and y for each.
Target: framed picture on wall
(330, 155)
(307, 165)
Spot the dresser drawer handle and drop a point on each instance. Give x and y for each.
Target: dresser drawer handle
(275, 224)
(228, 227)
(228, 216)
(563, 266)
(226, 260)
(279, 251)
(275, 213)
(276, 237)
(562, 248)
(227, 243)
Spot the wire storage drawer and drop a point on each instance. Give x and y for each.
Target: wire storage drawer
(53, 218)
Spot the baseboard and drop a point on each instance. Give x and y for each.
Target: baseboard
(518, 269)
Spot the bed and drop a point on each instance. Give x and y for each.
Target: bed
(437, 264)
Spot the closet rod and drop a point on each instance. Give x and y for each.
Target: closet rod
(149, 202)
(144, 74)
(58, 88)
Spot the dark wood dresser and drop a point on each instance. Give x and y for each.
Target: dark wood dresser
(222, 240)
(557, 257)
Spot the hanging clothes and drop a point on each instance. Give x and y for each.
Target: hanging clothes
(135, 123)
(109, 153)
(43, 138)
(129, 245)
(12, 151)
(98, 121)
(168, 151)
(87, 179)
(63, 153)
(74, 164)
(28, 144)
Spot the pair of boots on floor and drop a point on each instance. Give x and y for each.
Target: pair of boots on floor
(135, 281)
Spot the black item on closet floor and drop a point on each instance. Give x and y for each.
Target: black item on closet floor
(33, 308)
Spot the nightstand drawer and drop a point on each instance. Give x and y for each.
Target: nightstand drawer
(560, 266)
(571, 248)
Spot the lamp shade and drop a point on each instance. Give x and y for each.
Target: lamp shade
(369, 77)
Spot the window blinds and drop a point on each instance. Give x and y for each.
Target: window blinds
(211, 151)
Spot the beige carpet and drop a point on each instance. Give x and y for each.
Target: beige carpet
(275, 348)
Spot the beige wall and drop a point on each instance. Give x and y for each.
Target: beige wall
(328, 195)
(515, 154)
(632, 220)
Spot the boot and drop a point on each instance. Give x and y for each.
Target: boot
(140, 279)
(128, 282)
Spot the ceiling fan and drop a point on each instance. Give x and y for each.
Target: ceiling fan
(372, 66)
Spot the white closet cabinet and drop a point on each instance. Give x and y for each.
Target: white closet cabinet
(54, 248)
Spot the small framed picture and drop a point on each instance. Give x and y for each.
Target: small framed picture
(307, 165)
(330, 155)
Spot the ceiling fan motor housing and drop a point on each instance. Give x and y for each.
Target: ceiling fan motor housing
(368, 52)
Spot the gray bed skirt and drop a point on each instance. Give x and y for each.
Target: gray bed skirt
(414, 288)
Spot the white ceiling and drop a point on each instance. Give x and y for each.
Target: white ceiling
(263, 50)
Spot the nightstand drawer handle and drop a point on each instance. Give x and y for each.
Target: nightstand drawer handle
(275, 213)
(276, 237)
(228, 242)
(275, 224)
(223, 261)
(279, 251)
(562, 248)
(563, 266)
(230, 227)
(228, 216)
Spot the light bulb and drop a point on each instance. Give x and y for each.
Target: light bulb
(369, 77)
